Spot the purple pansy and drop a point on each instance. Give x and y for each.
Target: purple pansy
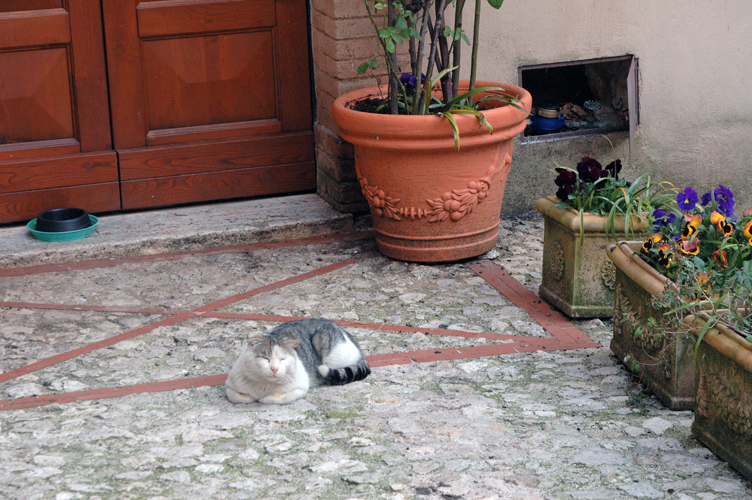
(590, 170)
(613, 169)
(687, 199)
(661, 218)
(566, 181)
(409, 80)
(563, 192)
(723, 197)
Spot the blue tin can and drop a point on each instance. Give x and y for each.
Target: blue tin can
(548, 118)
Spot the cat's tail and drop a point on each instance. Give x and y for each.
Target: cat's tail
(341, 376)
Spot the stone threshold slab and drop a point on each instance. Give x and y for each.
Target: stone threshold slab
(182, 229)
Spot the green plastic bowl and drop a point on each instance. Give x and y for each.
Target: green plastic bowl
(63, 235)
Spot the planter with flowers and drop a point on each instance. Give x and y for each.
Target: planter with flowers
(590, 208)
(664, 363)
(432, 157)
(685, 266)
(723, 415)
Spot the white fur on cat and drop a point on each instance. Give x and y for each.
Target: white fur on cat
(344, 354)
(281, 379)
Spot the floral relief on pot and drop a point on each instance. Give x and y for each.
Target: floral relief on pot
(452, 205)
(723, 417)
(655, 348)
(608, 275)
(722, 398)
(554, 265)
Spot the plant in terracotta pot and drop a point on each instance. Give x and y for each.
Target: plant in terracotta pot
(694, 261)
(432, 152)
(592, 205)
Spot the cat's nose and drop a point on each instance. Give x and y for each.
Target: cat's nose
(274, 369)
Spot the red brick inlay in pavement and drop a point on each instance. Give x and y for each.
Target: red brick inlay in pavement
(170, 321)
(566, 335)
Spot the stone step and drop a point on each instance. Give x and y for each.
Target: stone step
(181, 229)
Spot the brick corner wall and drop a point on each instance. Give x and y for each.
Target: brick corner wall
(342, 38)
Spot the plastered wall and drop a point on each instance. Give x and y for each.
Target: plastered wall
(695, 84)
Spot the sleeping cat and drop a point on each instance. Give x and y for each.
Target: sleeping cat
(278, 367)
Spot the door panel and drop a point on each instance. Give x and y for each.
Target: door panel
(54, 119)
(201, 93)
(209, 80)
(170, 17)
(23, 29)
(24, 5)
(35, 105)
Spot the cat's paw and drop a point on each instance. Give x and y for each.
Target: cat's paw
(324, 370)
(238, 397)
(274, 399)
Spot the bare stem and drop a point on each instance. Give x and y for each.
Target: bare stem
(476, 43)
(417, 108)
(434, 40)
(392, 57)
(457, 45)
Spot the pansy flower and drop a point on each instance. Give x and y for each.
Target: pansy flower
(693, 224)
(409, 80)
(723, 197)
(590, 170)
(661, 218)
(724, 227)
(691, 247)
(613, 169)
(665, 255)
(747, 231)
(687, 199)
(651, 241)
(720, 258)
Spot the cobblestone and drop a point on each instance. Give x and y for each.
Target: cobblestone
(542, 425)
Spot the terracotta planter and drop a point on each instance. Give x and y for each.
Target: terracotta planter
(664, 363)
(429, 202)
(578, 279)
(723, 417)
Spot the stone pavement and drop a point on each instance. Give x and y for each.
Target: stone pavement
(112, 372)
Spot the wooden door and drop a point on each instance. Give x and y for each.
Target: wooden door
(55, 143)
(210, 99)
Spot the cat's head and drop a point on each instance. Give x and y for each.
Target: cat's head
(271, 358)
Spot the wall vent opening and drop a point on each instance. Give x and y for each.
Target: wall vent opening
(579, 98)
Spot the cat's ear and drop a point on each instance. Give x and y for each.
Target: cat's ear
(292, 343)
(255, 340)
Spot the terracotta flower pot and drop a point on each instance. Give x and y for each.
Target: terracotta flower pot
(723, 377)
(578, 279)
(664, 363)
(429, 202)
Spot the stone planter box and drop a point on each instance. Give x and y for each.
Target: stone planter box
(579, 280)
(664, 363)
(723, 377)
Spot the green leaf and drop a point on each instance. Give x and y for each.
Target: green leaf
(495, 3)
(363, 68)
(397, 38)
(400, 23)
(390, 46)
(383, 33)
(455, 129)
